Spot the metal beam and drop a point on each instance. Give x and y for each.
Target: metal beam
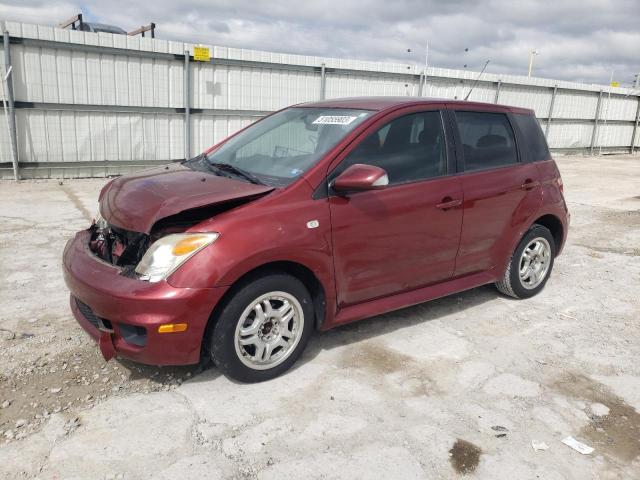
(550, 116)
(9, 99)
(497, 97)
(145, 28)
(323, 81)
(78, 107)
(187, 104)
(635, 128)
(78, 47)
(71, 22)
(420, 83)
(595, 124)
(585, 120)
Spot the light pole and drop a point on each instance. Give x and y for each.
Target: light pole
(532, 54)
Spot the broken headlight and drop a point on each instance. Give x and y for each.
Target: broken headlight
(166, 254)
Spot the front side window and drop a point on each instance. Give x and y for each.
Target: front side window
(487, 140)
(278, 149)
(409, 148)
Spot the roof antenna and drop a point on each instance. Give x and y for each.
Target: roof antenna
(474, 83)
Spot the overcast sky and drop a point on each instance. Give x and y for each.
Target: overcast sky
(581, 40)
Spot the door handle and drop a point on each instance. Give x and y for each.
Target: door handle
(529, 184)
(448, 203)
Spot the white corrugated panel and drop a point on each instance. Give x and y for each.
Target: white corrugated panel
(56, 75)
(614, 135)
(63, 76)
(575, 104)
(445, 88)
(67, 136)
(570, 135)
(351, 85)
(207, 130)
(482, 92)
(619, 108)
(535, 98)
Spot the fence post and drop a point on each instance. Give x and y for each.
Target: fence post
(550, 115)
(595, 124)
(498, 85)
(9, 99)
(635, 128)
(187, 107)
(323, 81)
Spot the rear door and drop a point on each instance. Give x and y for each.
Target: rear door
(406, 235)
(501, 192)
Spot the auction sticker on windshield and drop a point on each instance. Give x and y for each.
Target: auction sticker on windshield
(334, 120)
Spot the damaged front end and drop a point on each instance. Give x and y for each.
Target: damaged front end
(117, 246)
(118, 269)
(126, 249)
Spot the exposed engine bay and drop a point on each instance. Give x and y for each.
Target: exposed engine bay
(125, 248)
(117, 246)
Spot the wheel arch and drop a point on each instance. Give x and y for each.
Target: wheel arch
(554, 225)
(298, 270)
(548, 220)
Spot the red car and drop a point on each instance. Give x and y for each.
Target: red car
(318, 215)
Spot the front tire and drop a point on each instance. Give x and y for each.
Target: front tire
(530, 265)
(263, 328)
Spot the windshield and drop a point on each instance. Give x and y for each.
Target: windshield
(281, 147)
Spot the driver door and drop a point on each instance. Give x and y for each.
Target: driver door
(406, 235)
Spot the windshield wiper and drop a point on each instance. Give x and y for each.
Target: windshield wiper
(225, 167)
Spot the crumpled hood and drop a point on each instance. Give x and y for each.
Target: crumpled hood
(135, 202)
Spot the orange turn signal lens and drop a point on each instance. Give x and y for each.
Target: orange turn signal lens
(190, 244)
(172, 328)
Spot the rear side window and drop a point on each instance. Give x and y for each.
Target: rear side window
(487, 140)
(535, 145)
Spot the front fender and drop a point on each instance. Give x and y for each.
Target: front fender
(273, 230)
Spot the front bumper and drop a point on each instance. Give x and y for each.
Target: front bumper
(121, 304)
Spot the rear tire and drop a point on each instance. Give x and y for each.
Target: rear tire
(263, 328)
(530, 265)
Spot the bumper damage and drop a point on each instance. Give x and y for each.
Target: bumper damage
(123, 314)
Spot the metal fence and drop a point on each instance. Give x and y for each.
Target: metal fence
(94, 104)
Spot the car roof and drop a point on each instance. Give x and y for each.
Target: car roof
(384, 103)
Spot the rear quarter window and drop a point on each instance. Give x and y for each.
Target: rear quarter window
(534, 145)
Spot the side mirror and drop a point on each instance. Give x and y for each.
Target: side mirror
(360, 177)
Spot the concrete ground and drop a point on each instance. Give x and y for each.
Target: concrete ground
(459, 386)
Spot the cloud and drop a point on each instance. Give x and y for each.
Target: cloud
(580, 40)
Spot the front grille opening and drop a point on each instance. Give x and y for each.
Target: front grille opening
(101, 324)
(88, 313)
(133, 334)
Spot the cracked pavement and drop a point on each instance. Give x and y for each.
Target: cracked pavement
(458, 386)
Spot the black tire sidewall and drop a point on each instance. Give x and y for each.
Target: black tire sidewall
(516, 283)
(222, 340)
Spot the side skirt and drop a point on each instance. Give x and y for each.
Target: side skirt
(407, 299)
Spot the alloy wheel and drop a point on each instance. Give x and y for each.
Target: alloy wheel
(269, 330)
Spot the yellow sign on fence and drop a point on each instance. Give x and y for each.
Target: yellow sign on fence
(615, 84)
(201, 54)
